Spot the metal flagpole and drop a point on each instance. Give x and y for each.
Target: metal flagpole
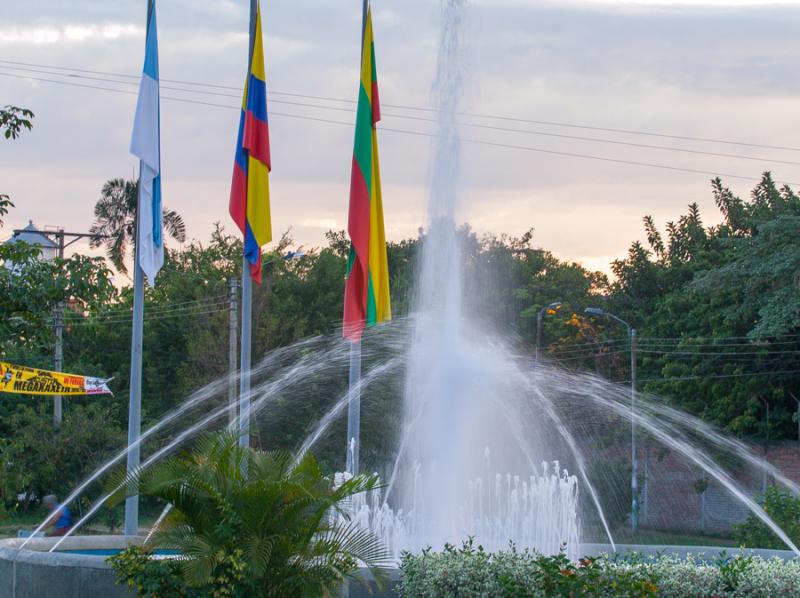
(354, 409)
(135, 401)
(233, 344)
(247, 298)
(354, 392)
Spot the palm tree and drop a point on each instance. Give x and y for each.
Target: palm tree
(115, 220)
(259, 519)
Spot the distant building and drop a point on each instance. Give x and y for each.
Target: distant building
(33, 236)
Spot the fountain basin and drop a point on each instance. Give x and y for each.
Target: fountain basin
(33, 572)
(79, 569)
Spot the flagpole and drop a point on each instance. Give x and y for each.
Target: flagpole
(148, 247)
(135, 400)
(354, 409)
(354, 392)
(247, 299)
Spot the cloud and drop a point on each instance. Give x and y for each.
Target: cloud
(720, 72)
(68, 34)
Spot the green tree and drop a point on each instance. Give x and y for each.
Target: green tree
(115, 219)
(38, 459)
(253, 521)
(13, 120)
(730, 294)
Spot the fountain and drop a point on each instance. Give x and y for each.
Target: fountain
(487, 444)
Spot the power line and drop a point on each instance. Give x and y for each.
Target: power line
(422, 134)
(121, 317)
(463, 124)
(434, 110)
(89, 321)
(153, 308)
(714, 353)
(718, 376)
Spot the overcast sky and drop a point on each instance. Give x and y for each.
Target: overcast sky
(721, 69)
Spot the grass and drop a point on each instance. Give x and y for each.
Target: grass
(666, 538)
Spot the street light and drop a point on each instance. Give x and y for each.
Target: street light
(550, 310)
(600, 312)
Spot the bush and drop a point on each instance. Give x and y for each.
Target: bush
(471, 572)
(784, 510)
(151, 578)
(249, 524)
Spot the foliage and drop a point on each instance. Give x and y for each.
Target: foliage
(13, 120)
(256, 520)
(5, 204)
(32, 287)
(739, 576)
(115, 221)
(470, 571)
(784, 509)
(730, 293)
(38, 460)
(152, 578)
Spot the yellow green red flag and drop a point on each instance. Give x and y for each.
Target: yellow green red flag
(366, 294)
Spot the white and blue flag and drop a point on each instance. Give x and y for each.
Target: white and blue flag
(145, 145)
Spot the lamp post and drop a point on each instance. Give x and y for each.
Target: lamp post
(599, 312)
(550, 310)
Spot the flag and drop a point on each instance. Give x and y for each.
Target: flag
(145, 145)
(366, 292)
(19, 379)
(249, 203)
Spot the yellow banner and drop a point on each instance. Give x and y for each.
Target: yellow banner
(30, 381)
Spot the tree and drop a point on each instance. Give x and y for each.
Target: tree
(255, 521)
(13, 120)
(38, 459)
(115, 218)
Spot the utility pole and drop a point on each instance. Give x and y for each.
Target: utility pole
(58, 357)
(233, 286)
(597, 311)
(549, 310)
(59, 238)
(634, 459)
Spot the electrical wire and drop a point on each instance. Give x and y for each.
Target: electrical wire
(423, 134)
(427, 109)
(463, 124)
(153, 309)
(198, 310)
(720, 376)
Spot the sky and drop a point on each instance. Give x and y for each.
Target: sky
(725, 70)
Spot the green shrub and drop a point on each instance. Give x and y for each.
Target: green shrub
(149, 577)
(471, 572)
(250, 524)
(784, 510)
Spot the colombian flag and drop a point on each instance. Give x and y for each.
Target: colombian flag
(249, 204)
(366, 293)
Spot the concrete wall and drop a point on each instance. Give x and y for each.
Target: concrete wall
(37, 574)
(669, 498)
(33, 572)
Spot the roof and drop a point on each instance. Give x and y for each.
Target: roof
(32, 235)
